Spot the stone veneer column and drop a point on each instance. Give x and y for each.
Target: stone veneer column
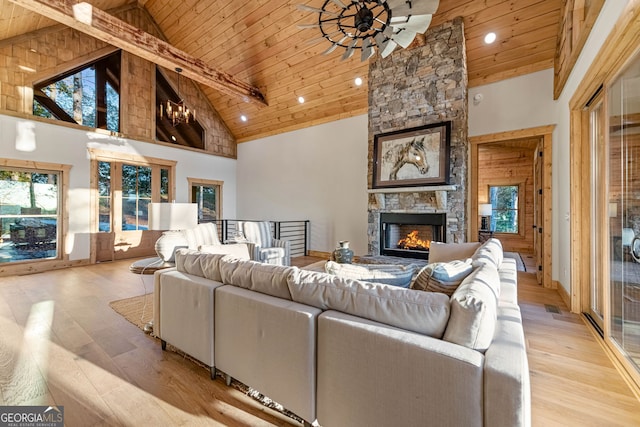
(415, 87)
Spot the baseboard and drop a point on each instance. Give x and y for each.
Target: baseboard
(22, 269)
(564, 295)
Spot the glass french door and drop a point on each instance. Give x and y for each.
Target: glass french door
(124, 188)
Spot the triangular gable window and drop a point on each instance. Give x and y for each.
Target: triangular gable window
(88, 95)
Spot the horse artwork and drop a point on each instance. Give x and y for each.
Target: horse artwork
(399, 155)
(416, 157)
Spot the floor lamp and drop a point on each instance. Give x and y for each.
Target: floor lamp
(171, 218)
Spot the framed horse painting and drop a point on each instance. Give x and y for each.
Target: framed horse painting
(412, 157)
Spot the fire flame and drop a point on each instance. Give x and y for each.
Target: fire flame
(413, 242)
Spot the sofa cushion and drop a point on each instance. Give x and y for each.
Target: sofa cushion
(396, 275)
(239, 250)
(445, 252)
(474, 309)
(444, 277)
(188, 261)
(265, 278)
(489, 252)
(422, 312)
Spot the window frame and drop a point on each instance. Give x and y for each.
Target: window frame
(521, 185)
(198, 182)
(66, 70)
(62, 221)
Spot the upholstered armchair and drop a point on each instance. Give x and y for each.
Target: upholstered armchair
(262, 246)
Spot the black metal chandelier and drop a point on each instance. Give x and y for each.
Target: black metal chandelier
(371, 24)
(177, 112)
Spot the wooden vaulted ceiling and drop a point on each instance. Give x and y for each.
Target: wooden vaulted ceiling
(258, 42)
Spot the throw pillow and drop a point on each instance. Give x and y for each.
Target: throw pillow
(444, 277)
(489, 252)
(395, 275)
(474, 308)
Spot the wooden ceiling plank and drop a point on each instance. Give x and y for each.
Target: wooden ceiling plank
(109, 29)
(208, 25)
(477, 47)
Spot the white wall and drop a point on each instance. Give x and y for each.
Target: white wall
(517, 103)
(527, 101)
(318, 173)
(58, 144)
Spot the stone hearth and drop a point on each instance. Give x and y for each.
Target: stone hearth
(414, 87)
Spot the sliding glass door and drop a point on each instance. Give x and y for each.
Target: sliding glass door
(623, 191)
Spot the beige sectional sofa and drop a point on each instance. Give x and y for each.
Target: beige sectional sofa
(342, 352)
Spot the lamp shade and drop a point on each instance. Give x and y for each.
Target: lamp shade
(173, 216)
(485, 209)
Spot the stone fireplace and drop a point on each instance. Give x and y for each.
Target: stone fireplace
(422, 85)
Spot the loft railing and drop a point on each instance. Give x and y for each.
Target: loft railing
(296, 232)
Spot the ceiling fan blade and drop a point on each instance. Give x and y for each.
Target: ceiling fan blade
(367, 50)
(350, 50)
(416, 23)
(334, 46)
(406, 8)
(306, 26)
(306, 8)
(385, 44)
(404, 37)
(339, 4)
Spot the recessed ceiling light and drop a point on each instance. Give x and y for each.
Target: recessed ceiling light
(490, 38)
(173, 138)
(243, 118)
(301, 99)
(358, 81)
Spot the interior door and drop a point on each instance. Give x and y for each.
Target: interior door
(538, 209)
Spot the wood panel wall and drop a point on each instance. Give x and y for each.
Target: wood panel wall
(502, 164)
(41, 54)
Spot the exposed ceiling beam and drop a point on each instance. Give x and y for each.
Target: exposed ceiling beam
(95, 22)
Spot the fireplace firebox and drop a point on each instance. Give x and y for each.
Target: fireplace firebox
(409, 235)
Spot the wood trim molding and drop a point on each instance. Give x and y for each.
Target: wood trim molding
(99, 24)
(577, 21)
(544, 132)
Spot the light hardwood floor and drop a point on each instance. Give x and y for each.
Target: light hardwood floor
(60, 343)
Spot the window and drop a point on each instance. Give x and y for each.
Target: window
(136, 196)
(187, 134)
(504, 200)
(207, 194)
(88, 95)
(30, 216)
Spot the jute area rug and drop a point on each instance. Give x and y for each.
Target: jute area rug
(137, 310)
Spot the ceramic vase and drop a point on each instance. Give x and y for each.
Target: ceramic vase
(343, 254)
